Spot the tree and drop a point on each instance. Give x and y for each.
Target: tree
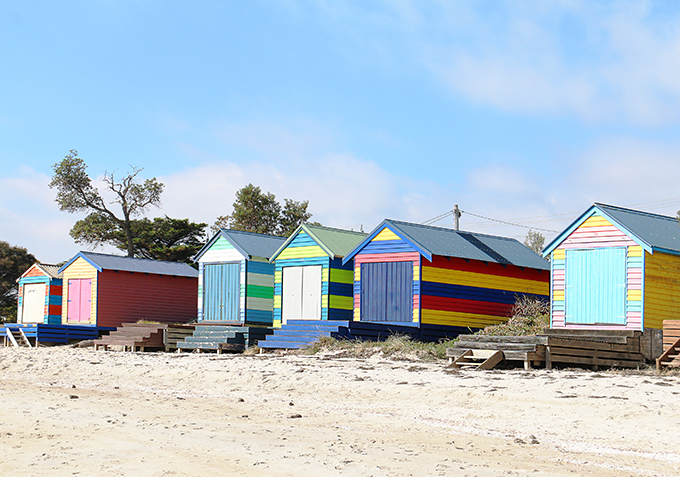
(75, 193)
(13, 262)
(261, 213)
(535, 241)
(162, 238)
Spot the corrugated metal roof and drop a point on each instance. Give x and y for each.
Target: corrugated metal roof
(657, 231)
(339, 242)
(50, 270)
(252, 244)
(446, 242)
(140, 265)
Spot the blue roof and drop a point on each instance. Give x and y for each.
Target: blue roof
(103, 261)
(248, 243)
(651, 231)
(447, 242)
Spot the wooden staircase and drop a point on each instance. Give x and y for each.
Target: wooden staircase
(671, 345)
(17, 338)
(134, 337)
(298, 334)
(478, 359)
(220, 338)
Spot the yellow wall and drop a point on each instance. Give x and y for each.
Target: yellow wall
(662, 289)
(79, 269)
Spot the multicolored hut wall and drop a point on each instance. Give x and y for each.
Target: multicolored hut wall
(108, 290)
(311, 282)
(442, 279)
(40, 295)
(235, 278)
(616, 269)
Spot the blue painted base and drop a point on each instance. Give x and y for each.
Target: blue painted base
(44, 333)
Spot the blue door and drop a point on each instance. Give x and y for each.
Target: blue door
(387, 291)
(595, 286)
(222, 292)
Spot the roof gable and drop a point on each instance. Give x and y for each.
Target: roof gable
(446, 242)
(652, 232)
(335, 243)
(102, 261)
(249, 244)
(51, 271)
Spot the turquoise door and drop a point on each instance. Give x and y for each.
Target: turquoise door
(222, 292)
(595, 286)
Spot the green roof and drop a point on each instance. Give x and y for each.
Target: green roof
(335, 242)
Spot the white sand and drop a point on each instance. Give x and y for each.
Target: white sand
(173, 415)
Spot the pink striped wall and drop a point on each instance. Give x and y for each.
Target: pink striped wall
(591, 237)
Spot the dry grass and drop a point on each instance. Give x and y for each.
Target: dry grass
(529, 317)
(398, 347)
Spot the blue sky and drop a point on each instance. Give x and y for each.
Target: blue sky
(526, 112)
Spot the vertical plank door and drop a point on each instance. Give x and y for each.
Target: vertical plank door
(79, 300)
(33, 303)
(222, 292)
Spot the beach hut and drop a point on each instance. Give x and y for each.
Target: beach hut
(441, 280)
(40, 295)
(108, 290)
(311, 282)
(616, 269)
(235, 278)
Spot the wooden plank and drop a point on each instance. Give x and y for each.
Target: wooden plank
(491, 361)
(503, 339)
(594, 361)
(496, 346)
(594, 345)
(557, 351)
(590, 333)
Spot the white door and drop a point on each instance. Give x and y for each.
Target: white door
(311, 293)
(291, 297)
(33, 303)
(301, 293)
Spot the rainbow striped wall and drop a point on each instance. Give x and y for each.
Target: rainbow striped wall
(256, 282)
(458, 292)
(53, 290)
(336, 279)
(452, 291)
(598, 232)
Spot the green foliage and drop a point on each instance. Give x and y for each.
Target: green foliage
(75, 193)
(162, 238)
(261, 213)
(535, 241)
(530, 316)
(13, 262)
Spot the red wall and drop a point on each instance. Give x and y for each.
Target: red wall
(125, 297)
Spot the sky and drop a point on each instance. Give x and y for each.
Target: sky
(525, 112)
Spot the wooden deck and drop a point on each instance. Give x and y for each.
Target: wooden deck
(568, 347)
(671, 345)
(143, 337)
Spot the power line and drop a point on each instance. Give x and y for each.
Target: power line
(509, 223)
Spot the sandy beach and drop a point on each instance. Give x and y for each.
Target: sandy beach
(83, 412)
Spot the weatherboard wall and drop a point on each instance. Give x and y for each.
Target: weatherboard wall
(448, 291)
(583, 274)
(255, 282)
(127, 297)
(336, 279)
(52, 296)
(78, 270)
(661, 289)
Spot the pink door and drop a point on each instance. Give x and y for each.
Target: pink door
(79, 300)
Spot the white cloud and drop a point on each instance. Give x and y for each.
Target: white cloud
(612, 62)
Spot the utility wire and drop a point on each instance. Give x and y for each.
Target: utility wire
(509, 223)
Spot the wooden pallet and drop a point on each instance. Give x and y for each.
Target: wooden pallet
(572, 347)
